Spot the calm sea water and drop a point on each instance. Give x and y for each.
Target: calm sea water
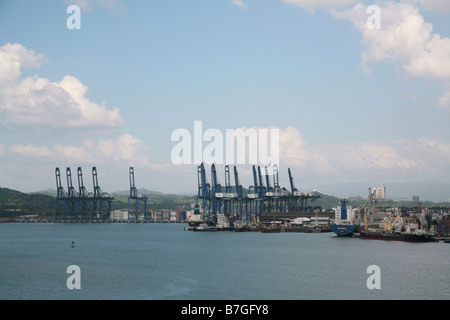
(162, 261)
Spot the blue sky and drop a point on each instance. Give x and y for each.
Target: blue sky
(353, 105)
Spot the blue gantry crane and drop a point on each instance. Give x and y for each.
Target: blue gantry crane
(216, 195)
(252, 198)
(72, 198)
(205, 196)
(80, 205)
(102, 200)
(298, 201)
(241, 206)
(85, 198)
(137, 198)
(250, 205)
(61, 198)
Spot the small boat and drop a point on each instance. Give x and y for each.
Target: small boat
(205, 228)
(240, 226)
(271, 230)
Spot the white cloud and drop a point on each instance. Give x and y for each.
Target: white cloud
(354, 161)
(367, 156)
(438, 6)
(340, 157)
(294, 151)
(14, 57)
(444, 101)
(38, 101)
(404, 38)
(86, 5)
(123, 151)
(239, 3)
(125, 147)
(31, 151)
(312, 5)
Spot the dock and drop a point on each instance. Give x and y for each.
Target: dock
(442, 239)
(51, 220)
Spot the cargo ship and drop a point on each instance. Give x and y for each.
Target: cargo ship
(195, 219)
(344, 225)
(396, 230)
(400, 236)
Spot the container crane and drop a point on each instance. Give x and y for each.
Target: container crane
(262, 194)
(101, 200)
(137, 197)
(204, 193)
(61, 198)
(252, 198)
(85, 197)
(72, 197)
(295, 194)
(217, 195)
(238, 195)
(277, 192)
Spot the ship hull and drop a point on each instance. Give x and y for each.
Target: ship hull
(396, 237)
(343, 230)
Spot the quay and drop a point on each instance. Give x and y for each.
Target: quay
(442, 239)
(51, 220)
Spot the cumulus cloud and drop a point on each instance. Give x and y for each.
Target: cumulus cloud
(123, 151)
(358, 160)
(439, 6)
(239, 3)
(31, 151)
(86, 5)
(444, 101)
(436, 6)
(38, 101)
(125, 147)
(312, 5)
(367, 156)
(340, 157)
(404, 39)
(294, 151)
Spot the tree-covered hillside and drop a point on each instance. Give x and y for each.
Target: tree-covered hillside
(14, 203)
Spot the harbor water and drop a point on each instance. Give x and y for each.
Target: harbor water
(163, 262)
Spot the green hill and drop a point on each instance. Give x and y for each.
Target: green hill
(14, 203)
(157, 201)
